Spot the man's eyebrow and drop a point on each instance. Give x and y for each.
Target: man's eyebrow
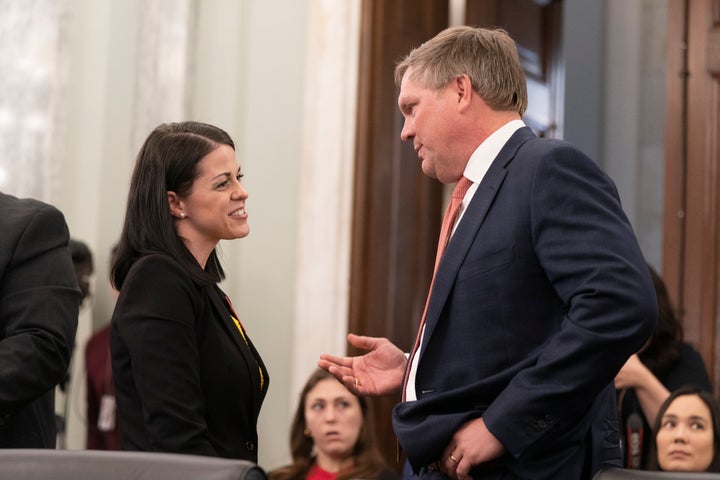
(405, 103)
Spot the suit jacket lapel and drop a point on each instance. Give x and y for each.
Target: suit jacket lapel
(468, 228)
(223, 311)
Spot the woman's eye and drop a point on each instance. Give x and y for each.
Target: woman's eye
(239, 176)
(343, 405)
(222, 184)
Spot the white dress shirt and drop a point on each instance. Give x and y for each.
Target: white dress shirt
(476, 168)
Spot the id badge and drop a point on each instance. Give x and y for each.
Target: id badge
(106, 418)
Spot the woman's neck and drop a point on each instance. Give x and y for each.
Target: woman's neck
(201, 252)
(333, 464)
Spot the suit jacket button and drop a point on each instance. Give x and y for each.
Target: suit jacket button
(250, 446)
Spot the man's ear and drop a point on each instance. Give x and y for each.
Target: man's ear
(463, 91)
(176, 205)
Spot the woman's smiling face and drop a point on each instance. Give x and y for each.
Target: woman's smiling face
(214, 209)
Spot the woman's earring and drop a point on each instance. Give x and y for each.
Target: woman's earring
(307, 433)
(182, 215)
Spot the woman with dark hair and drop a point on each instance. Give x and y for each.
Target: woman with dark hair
(664, 364)
(187, 377)
(331, 437)
(687, 433)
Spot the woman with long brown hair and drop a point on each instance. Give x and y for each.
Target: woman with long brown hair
(331, 437)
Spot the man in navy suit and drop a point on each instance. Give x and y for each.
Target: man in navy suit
(540, 296)
(39, 301)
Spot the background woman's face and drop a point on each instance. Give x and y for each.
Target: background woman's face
(685, 438)
(334, 417)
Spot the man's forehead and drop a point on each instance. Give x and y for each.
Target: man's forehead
(408, 88)
(406, 98)
(408, 77)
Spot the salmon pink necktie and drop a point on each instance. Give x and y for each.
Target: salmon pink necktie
(451, 214)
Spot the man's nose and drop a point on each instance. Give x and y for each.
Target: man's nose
(407, 132)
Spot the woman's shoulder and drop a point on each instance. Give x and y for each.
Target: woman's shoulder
(158, 273)
(689, 351)
(690, 356)
(155, 264)
(157, 286)
(689, 369)
(284, 473)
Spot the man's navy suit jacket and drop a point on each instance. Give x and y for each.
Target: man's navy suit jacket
(540, 297)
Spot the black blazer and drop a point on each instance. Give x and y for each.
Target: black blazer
(185, 380)
(39, 300)
(540, 297)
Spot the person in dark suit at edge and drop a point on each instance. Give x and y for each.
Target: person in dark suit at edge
(540, 296)
(39, 301)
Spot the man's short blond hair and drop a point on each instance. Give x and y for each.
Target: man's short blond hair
(488, 57)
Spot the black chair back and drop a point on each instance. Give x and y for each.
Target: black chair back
(624, 474)
(45, 464)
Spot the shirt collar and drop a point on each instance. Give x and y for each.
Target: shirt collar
(485, 153)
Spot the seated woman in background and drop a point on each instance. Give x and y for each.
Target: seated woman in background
(331, 437)
(665, 364)
(687, 433)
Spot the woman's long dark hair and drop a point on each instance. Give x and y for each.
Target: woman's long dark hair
(714, 407)
(665, 345)
(166, 162)
(367, 461)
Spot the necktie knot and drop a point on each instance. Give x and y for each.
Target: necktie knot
(461, 188)
(451, 214)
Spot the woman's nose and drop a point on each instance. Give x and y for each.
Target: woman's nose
(330, 414)
(239, 191)
(680, 435)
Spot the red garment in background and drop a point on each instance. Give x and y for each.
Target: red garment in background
(99, 384)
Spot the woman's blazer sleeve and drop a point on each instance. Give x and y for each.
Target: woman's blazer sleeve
(155, 325)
